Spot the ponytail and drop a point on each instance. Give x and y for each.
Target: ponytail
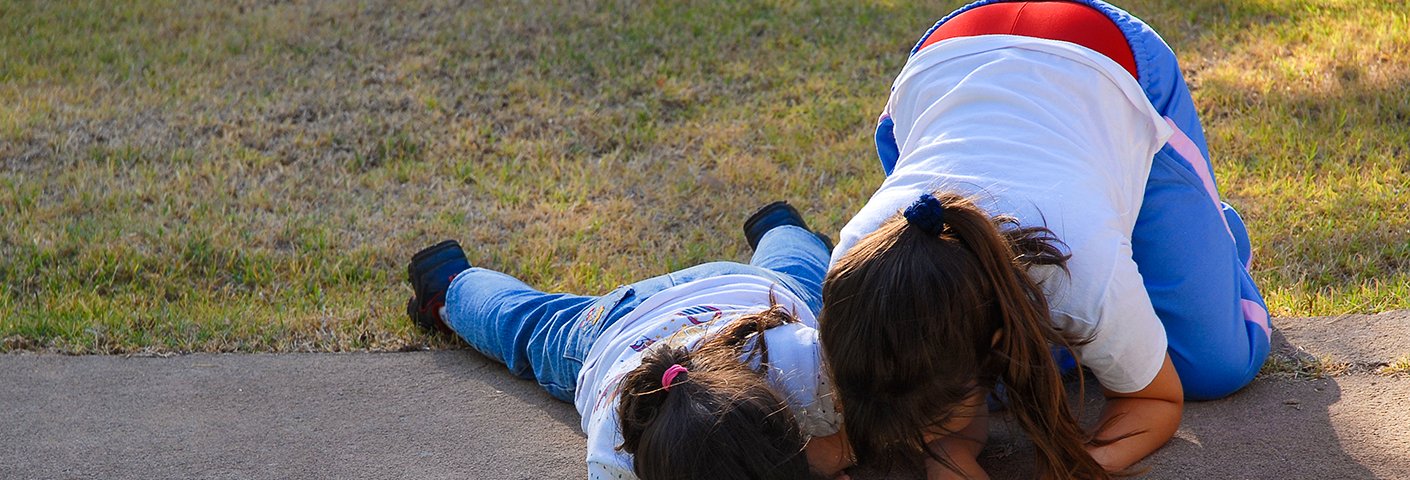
(948, 285)
(717, 418)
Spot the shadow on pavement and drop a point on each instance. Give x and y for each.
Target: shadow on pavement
(1270, 429)
(472, 366)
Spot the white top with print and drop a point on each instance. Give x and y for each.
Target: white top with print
(683, 315)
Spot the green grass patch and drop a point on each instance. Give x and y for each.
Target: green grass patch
(1401, 366)
(252, 176)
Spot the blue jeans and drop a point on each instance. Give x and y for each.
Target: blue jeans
(545, 336)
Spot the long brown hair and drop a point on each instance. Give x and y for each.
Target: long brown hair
(913, 323)
(720, 419)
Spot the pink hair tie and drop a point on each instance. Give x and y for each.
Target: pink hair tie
(670, 376)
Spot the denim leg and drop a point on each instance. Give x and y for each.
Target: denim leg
(799, 254)
(546, 336)
(513, 323)
(791, 256)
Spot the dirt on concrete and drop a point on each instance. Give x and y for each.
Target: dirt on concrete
(1365, 342)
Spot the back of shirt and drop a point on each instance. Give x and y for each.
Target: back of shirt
(1056, 135)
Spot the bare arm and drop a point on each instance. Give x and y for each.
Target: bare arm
(829, 455)
(1147, 418)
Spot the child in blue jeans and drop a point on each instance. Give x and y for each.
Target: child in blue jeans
(679, 376)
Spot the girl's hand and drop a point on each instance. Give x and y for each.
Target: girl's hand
(1146, 418)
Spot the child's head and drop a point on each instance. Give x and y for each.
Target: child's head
(928, 314)
(716, 419)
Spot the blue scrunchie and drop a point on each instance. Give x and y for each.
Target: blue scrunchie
(927, 214)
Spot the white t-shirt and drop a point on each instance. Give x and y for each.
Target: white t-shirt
(681, 316)
(1054, 134)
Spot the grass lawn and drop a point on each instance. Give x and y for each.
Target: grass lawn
(252, 175)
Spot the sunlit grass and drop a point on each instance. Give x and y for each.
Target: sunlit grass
(1312, 123)
(252, 176)
(1401, 366)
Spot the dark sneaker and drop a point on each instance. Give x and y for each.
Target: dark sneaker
(776, 214)
(430, 273)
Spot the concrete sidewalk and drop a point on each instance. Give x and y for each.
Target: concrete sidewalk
(456, 414)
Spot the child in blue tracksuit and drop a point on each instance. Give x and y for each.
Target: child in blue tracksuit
(1073, 118)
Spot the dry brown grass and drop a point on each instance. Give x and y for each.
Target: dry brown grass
(252, 175)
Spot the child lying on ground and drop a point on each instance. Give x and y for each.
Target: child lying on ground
(709, 372)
